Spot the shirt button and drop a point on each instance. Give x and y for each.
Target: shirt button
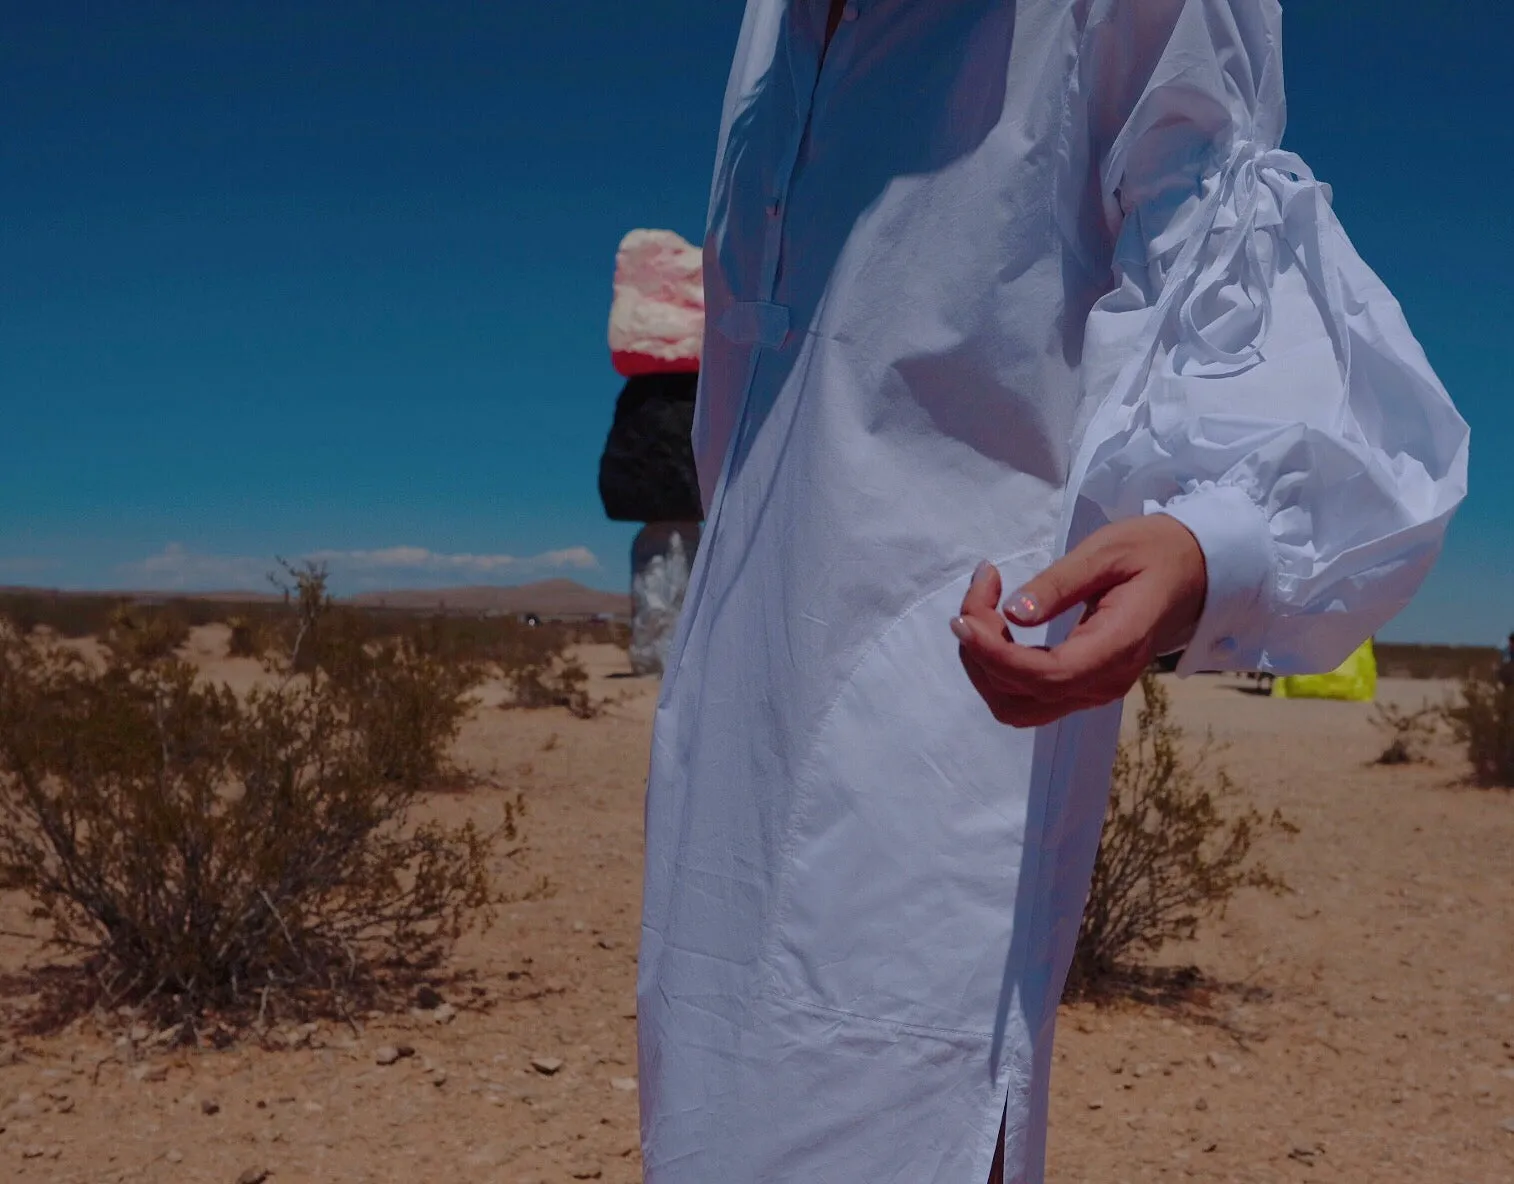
(772, 208)
(849, 13)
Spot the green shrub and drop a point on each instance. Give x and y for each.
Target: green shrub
(1482, 720)
(1169, 854)
(204, 850)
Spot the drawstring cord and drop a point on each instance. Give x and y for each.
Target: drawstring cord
(1251, 170)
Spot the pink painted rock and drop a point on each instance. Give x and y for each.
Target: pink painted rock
(657, 319)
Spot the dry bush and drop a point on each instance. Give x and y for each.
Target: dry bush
(249, 638)
(1482, 719)
(1409, 733)
(535, 664)
(144, 635)
(1400, 660)
(66, 614)
(205, 852)
(1169, 854)
(553, 681)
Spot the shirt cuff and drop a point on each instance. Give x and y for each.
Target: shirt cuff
(1236, 539)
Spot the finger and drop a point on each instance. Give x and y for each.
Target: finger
(1093, 664)
(1008, 665)
(1021, 711)
(983, 592)
(1109, 647)
(1085, 572)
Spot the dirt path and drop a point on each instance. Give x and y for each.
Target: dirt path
(1368, 1036)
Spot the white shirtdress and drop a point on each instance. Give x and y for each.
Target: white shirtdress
(995, 274)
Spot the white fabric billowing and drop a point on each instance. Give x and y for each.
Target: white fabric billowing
(995, 274)
(1270, 370)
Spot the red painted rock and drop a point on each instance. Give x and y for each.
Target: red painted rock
(657, 318)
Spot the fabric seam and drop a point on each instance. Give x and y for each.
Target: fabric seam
(802, 777)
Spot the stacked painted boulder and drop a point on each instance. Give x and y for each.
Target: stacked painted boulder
(646, 473)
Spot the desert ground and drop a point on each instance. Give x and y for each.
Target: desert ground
(1358, 1028)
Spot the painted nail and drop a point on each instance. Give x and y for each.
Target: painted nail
(962, 629)
(982, 570)
(1023, 607)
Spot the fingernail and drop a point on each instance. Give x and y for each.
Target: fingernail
(1024, 608)
(982, 570)
(962, 629)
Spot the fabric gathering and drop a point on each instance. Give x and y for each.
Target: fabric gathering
(979, 277)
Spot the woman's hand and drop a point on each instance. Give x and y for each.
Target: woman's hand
(1143, 580)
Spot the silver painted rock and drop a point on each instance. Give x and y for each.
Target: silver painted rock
(661, 557)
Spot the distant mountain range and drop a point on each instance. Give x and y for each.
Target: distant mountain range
(548, 598)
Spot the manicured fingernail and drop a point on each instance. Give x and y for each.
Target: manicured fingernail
(982, 570)
(1023, 608)
(962, 629)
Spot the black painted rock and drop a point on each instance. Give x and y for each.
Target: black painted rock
(647, 471)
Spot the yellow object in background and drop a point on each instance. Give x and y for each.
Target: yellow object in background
(1355, 679)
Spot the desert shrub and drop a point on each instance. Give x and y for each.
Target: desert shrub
(1169, 853)
(537, 667)
(553, 681)
(1399, 660)
(1409, 733)
(138, 634)
(203, 850)
(248, 638)
(1482, 720)
(68, 614)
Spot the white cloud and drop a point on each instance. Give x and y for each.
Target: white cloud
(176, 568)
(421, 559)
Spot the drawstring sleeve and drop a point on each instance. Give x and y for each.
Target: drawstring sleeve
(1250, 375)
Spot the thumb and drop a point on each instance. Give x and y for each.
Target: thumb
(1079, 576)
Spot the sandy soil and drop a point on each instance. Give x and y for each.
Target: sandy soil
(1363, 1029)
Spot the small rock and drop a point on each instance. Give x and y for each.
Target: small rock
(428, 999)
(254, 1176)
(405, 1050)
(155, 1072)
(386, 1055)
(209, 1106)
(1508, 1125)
(438, 1076)
(33, 1152)
(608, 943)
(444, 1013)
(546, 1065)
(1096, 1105)
(626, 1084)
(139, 1033)
(174, 1156)
(1201, 1104)
(587, 1173)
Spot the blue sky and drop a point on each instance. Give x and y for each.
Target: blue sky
(332, 278)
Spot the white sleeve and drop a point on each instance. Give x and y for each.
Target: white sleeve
(1253, 378)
